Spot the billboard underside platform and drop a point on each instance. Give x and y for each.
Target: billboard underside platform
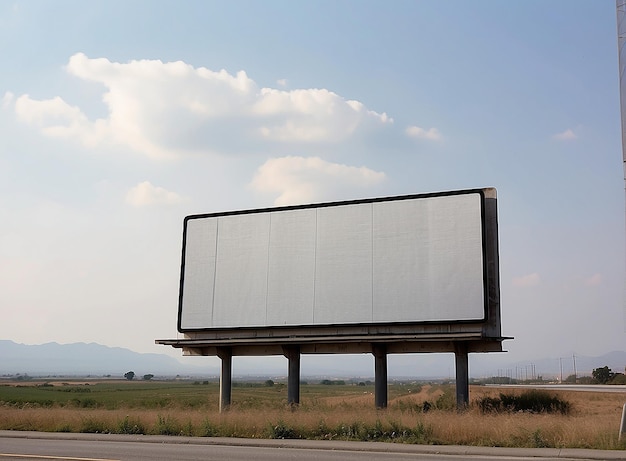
(343, 339)
(394, 344)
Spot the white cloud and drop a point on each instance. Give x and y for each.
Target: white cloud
(567, 135)
(282, 82)
(56, 118)
(7, 99)
(529, 280)
(144, 194)
(310, 115)
(432, 134)
(165, 109)
(299, 180)
(594, 281)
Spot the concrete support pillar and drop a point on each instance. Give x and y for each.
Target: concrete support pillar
(380, 375)
(462, 375)
(226, 377)
(293, 378)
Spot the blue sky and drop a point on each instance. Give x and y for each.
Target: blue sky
(119, 118)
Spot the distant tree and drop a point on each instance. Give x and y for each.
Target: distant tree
(130, 375)
(571, 379)
(269, 383)
(602, 375)
(148, 377)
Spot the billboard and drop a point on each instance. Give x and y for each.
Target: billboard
(408, 259)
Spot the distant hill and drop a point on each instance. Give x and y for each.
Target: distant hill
(93, 359)
(88, 359)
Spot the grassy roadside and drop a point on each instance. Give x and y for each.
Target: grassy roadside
(338, 412)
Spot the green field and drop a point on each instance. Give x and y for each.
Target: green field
(110, 395)
(168, 394)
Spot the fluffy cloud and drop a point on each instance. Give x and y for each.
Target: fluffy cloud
(417, 132)
(529, 280)
(164, 109)
(567, 135)
(310, 115)
(56, 118)
(7, 99)
(299, 180)
(144, 194)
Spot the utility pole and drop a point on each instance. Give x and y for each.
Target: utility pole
(621, 50)
(620, 6)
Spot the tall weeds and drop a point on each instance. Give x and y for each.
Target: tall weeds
(347, 417)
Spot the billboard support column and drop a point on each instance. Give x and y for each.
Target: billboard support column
(293, 378)
(226, 377)
(380, 375)
(462, 375)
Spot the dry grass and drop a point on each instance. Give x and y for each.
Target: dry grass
(593, 423)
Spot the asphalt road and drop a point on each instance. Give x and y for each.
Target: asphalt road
(567, 387)
(107, 447)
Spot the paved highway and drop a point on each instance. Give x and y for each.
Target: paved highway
(567, 387)
(101, 447)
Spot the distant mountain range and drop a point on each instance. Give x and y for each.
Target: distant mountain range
(81, 359)
(88, 359)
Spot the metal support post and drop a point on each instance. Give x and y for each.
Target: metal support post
(380, 375)
(226, 377)
(462, 375)
(293, 378)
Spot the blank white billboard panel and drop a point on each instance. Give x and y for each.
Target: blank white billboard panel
(241, 270)
(291, 268)
(428, 255)
(199, 256)
(407, 259)
(343, 266)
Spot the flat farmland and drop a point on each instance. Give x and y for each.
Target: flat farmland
(417, 413)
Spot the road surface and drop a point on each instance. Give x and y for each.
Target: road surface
(567, 387)
(108, 447)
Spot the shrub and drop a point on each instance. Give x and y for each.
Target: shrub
(411, 407)
(88, 403)
(282, 431)
(167, 426)
(619, 378)
(532, 401)
(352, 431)
(447, 400)
(208, 429)
(490, 404)
(126, 426)
(93, 426)
(78, 390)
